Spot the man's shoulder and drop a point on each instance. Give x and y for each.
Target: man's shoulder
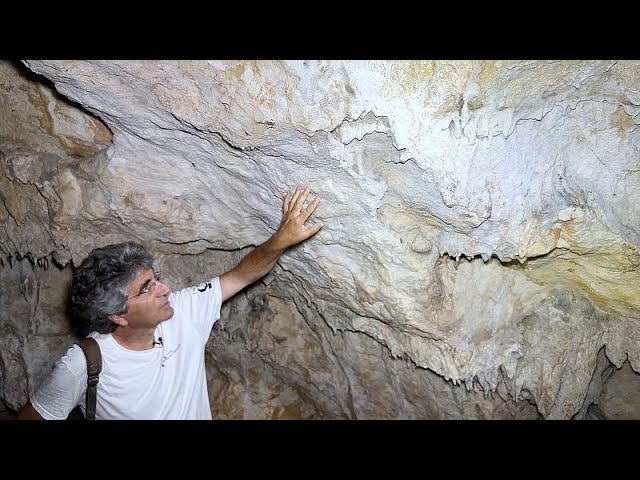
(74, 361)
(212, 285)
(103, 339)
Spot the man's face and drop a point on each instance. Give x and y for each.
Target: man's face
(148, 303)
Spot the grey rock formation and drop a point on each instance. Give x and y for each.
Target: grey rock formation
(480, 251)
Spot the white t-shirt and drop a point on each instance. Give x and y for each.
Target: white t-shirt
(166, 382)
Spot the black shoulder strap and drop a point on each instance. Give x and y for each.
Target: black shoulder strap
(91, 351)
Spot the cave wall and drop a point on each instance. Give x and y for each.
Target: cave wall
(479, 256)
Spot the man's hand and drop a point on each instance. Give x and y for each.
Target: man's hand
(292, 230)
(262, 259)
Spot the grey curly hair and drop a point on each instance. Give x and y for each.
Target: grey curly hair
(99, 285)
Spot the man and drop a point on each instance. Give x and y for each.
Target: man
(152, 341)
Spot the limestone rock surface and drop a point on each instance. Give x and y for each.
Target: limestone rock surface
(480, 239)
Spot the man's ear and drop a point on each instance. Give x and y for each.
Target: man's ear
(118, 319)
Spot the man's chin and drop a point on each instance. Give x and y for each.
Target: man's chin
(168, 312)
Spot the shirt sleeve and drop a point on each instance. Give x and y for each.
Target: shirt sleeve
(199, 305)
(64, 388)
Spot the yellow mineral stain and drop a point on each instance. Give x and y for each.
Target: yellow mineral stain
(252, 75)
(419, 71)
(486, 80)
(101, 134)
(72, 145)
(591, 292)
(488, 72)
(287, 412)
(76, 147)
(607, 279)
(237, 71)
(621, 121)
(588, 256)
(41, 102)
(453, 103)
(568, 231)
(409, 76)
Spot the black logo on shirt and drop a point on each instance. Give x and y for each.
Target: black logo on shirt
(203, 287)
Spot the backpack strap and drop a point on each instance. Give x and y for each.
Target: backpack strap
(91, 351)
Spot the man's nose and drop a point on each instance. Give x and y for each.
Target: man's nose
(164, 288)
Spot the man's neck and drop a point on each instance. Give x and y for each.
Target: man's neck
(134, 339)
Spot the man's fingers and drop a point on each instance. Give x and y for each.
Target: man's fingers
(290, 199)
(312, 230)
(306, 213)
(292, 203)
(300, 198)
(293, 197)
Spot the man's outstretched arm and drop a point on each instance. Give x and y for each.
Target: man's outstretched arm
(263, 258)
